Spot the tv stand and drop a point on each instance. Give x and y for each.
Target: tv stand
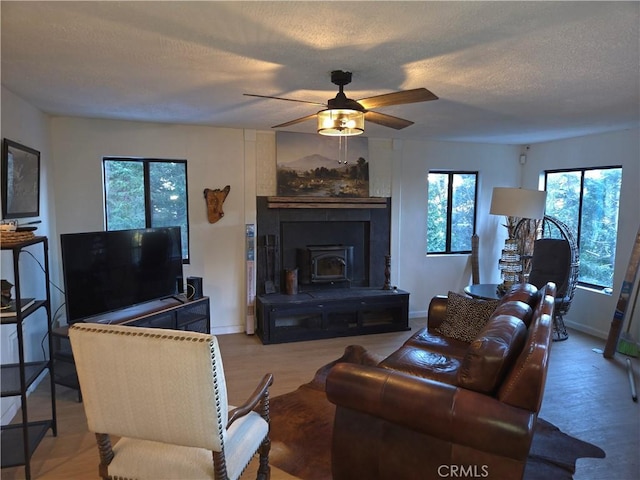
(171, 313)
(181, 298)
(331, 313)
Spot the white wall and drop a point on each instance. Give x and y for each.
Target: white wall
(26, 125)
(425, 276)
(592, 311)
(216, 157)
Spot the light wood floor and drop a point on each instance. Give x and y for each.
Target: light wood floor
(586, 396)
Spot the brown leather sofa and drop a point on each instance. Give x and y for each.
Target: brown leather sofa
(443, 408)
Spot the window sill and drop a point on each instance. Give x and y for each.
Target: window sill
(602, 291)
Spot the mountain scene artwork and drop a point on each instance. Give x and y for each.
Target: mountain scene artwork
(313, 165)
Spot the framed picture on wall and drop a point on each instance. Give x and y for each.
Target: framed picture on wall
(20, 180)
(322, 166)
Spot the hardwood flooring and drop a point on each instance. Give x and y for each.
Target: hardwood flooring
(586, 396)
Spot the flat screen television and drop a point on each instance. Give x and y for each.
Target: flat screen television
(108, 271)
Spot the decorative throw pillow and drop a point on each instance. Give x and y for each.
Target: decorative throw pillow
(465, 316)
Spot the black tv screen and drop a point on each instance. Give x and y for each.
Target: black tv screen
(107, 271)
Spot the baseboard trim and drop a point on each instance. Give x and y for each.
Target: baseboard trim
(584, 329)
(227, 330)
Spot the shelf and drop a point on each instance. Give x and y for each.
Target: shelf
(66, 374)
(27, 311)
(13, 441)
(63, 355)
(11, 376)
(21, 245)
(326, 202)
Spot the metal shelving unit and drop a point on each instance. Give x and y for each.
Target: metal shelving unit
(19, 440)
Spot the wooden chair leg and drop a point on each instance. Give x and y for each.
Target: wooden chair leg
(264, 470)
(219, 466)
(106, 454)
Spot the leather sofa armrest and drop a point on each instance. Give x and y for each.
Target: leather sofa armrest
(432, 408)
(437, 311)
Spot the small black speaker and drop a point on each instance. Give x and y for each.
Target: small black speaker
(194, 288)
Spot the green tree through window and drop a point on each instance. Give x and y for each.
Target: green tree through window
(587, 201)
(451, 211)
(145, 193)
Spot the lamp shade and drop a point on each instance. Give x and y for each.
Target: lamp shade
(518, 202)
(340, 122)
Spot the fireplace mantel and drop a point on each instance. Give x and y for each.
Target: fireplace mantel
(326, 202)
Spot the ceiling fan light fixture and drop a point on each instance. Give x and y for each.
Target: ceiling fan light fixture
(340, 122)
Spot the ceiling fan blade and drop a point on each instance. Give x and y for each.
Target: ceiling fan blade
(297, 120)
(387, 120)
(286, 99)
(398, 98)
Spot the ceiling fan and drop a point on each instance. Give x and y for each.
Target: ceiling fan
(343, 116)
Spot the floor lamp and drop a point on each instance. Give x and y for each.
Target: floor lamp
(515, 204)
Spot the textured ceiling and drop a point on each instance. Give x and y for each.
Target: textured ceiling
(505, 72)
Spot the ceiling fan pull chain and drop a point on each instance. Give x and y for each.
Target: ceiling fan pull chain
(346, 149)
(342, 157)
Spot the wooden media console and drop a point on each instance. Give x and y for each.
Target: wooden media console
(331, 313)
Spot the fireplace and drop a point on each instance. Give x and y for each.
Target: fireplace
(337, 252)
(325, 264)
(290, 238)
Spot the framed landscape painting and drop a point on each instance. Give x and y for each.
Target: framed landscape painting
(20, 180)
(322, 166)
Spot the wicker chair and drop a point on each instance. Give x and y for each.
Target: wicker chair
(164, 393)
(529, 232)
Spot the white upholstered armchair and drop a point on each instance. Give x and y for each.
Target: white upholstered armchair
(163, 393)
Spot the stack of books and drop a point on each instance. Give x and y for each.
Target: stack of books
(10, 310)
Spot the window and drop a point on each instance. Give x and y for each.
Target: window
(587, 201)
(145, 193)
(451, 211)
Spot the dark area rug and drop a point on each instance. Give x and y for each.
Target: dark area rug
(302, 423)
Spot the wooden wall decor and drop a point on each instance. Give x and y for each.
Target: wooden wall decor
(215, 199)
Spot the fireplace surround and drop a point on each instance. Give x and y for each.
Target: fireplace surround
(339, 251)
(283, 232)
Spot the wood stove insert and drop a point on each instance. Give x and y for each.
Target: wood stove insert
(323, 264)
